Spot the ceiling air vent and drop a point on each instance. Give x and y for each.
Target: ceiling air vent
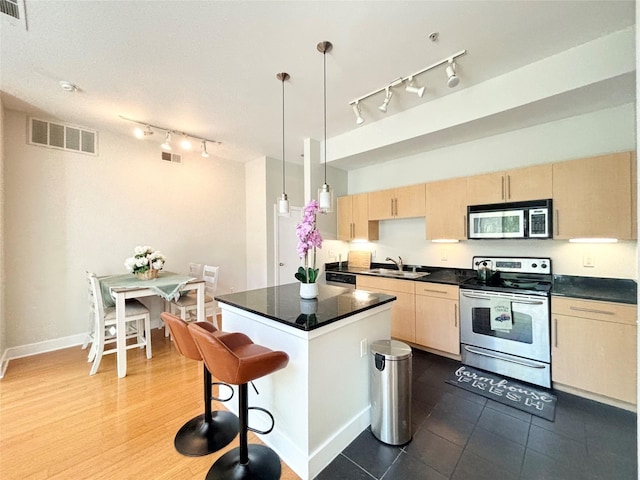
(63, 136)
(13, 12)
(171, 157)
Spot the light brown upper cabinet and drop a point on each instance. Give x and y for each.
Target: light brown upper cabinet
(404, 202)
(595, 197)
(528, 183)
(446, 209)
(353, 218)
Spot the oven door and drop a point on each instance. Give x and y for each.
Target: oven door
(526, 335)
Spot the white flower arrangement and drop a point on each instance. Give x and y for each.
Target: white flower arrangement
(145, 259)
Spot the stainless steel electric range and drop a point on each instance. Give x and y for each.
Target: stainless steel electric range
(504, 318)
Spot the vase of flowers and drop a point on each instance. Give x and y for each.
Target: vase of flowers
(146, 262)
(309, 239)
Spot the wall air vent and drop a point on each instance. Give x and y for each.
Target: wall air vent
(63, 136)
(171, 157)
(13, 12)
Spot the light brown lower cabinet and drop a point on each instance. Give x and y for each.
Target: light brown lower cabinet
(403, 314)
(437, 317)
(593, 347)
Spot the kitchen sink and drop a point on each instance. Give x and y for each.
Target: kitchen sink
(387, 272)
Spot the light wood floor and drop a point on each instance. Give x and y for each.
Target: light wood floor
(57, 422)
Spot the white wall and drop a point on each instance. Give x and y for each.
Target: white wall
(604, 131)
(3, 339)
(67, 213)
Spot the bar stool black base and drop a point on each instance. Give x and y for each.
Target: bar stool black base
(264, 464)
(197, 438)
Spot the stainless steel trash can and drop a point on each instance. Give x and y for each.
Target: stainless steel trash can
(390, 382)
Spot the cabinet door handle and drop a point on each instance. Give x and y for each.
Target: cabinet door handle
(502, 188)
(556, 223)
(555, 328)
(509, 187)
(464, 219)
(591, 310)
(455, 315)
(434, 291)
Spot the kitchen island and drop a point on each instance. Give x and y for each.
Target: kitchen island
(321, 400)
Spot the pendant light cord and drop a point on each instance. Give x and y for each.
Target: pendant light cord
(324, 62)
(283, 176)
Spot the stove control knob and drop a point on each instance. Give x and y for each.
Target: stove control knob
(534, 265)
(544, 265)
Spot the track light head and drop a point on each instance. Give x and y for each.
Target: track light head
(203, 149)
(167, 142)
(185, 143)
(385, 102)
(452, 79)
(411, 88)
(140, 133)
(356, 110)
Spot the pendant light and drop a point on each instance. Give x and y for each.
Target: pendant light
(325, 194)
(283, 201)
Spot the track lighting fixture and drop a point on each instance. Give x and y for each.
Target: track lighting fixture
(411, 88)
(203, 149)
(325, 194)
(185, 141)
(385, 102)
(452, 81)
(283, 201)
(166, 145)
(356, 110)
(452, 78)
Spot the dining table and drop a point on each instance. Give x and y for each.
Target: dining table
(116, 289)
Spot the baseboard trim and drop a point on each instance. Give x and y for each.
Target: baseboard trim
(12, 353)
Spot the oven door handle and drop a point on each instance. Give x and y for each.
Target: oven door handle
(500, 357)
(513, 300)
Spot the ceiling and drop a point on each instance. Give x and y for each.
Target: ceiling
(209, 67)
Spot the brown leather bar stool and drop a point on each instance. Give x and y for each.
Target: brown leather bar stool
(236, 360)
(211, 431)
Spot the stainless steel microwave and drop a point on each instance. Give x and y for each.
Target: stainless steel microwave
(532, 219)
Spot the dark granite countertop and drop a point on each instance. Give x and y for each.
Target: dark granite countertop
(451, 276)
(284, 305)
(617, 290)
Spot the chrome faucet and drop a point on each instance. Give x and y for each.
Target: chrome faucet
(398, 263)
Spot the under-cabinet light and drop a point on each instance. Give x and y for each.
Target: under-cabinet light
(593, 240)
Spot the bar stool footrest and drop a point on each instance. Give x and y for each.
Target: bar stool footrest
(218, 399)
(263, 432)
(263, 464)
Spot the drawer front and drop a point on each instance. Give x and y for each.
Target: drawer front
(367, 282)
(437, 290)
(604, 311)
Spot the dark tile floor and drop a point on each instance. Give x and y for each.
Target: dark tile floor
(459, 435)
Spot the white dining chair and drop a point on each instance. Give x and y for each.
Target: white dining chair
(137, 321)
(187, 304)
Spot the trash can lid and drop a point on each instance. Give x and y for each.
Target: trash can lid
(391, 349)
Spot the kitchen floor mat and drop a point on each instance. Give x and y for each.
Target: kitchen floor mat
(539, 402)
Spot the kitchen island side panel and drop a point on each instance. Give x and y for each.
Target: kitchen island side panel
(321, 400)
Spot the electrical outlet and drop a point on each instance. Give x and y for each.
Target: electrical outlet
(588, 261)
(373, 254)
(443, 255)
(363, 347)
